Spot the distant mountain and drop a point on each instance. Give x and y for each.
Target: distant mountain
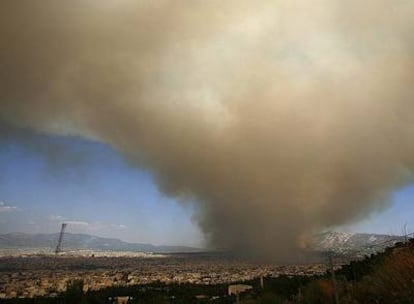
(338, 242)
(83, 241)
(363, 243)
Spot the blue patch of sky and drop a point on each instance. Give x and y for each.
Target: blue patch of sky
(100, 187)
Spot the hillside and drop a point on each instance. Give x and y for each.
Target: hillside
(384, 278)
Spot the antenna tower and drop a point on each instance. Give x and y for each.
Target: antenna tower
(59, 244)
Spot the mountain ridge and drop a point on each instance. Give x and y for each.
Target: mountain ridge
(84, 241)
(338, 242)
(344, 242)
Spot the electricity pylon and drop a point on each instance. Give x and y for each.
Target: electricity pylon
(59, 244)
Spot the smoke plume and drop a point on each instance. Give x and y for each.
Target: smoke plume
(279, 118)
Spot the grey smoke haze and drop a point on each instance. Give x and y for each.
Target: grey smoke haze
(280, 118)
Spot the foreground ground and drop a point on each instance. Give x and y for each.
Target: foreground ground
(385, 278)
(43, 275)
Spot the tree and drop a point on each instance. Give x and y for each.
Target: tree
(74, 292)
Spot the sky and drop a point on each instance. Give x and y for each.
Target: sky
(101, 194)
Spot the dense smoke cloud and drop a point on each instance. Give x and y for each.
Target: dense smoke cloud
(279, 118)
